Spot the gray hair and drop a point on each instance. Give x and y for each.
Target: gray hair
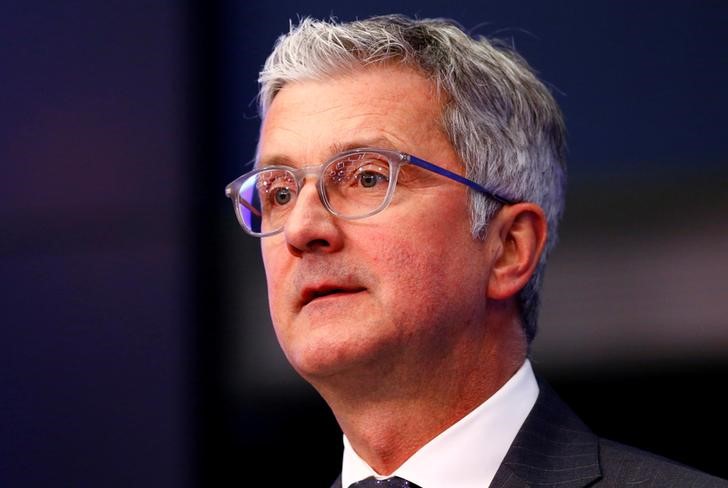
(501, 120)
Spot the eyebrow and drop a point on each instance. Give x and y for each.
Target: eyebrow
(275, 159)
(380, 142)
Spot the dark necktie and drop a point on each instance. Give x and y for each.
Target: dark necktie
(393, 482)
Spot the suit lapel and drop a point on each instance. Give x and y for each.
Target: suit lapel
(553, 447)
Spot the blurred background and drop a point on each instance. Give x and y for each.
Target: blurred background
(135, 339)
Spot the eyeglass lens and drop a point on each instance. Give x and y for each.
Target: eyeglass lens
(354, 185)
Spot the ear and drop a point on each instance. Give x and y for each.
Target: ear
(519, 232)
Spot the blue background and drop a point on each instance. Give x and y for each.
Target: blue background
(135, 347)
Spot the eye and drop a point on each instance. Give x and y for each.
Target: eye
(282, 196)
(369, 179)
(277, 188)
(358, 172)
(369, 171)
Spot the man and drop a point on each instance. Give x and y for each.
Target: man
(408, 187)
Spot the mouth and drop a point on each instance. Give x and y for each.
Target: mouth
(316, 293)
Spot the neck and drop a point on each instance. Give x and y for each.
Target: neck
(389, 413)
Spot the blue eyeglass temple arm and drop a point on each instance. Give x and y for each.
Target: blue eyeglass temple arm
(454, 176)
(252, 209)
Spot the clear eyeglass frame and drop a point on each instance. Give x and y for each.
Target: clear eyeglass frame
(395, 159)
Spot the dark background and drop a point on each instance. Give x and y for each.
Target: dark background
(136, 347)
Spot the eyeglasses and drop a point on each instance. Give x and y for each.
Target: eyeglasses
(352, 185)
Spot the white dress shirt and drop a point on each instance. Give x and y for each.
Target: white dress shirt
(468, 453)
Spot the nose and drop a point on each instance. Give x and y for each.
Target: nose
(310, 227)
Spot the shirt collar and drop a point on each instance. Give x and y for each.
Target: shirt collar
(468, 453)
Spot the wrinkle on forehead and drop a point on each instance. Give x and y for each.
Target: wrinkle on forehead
(311, 120)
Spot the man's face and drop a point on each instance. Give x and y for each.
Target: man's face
(405, 286)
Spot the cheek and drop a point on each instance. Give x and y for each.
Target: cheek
(274, 265)
(276, 258)
(424, 272)
(407, 269)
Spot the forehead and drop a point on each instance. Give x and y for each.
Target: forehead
(384, 106)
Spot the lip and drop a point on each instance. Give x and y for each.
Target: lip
(323, 291)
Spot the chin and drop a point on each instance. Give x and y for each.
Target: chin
(325, 358)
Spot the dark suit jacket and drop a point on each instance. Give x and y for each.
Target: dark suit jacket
(555, 449)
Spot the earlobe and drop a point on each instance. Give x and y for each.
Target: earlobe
(521, 231)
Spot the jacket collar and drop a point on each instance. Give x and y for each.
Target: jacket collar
(553, 447)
